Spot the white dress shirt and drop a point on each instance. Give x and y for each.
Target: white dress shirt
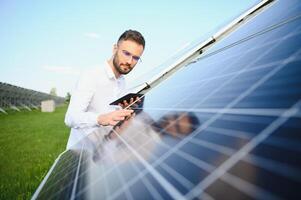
(94, 91)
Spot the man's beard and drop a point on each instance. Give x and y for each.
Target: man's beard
(118, 67)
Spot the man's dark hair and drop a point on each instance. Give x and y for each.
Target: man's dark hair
(134, 36)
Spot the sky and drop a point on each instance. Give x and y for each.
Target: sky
(46, 44)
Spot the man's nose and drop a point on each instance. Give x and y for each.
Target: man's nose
(130, 60)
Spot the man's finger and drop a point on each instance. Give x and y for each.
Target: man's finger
(118, 118)
(124, 113)
(138, 99)
(125, 103)
(113, 123)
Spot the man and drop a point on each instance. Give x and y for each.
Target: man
(97, 88)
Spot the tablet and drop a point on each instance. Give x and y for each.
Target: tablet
(127, 98)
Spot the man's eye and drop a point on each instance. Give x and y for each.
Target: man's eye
(136, 58)
(127, 53)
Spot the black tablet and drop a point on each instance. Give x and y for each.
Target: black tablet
(127, 98)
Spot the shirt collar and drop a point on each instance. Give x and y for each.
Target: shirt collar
(110, 72)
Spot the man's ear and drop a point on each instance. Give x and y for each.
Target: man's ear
(115, 47)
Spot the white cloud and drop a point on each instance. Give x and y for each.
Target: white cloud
(62, 70)
(92, 35)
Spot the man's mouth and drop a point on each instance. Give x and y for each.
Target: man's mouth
(125, 67)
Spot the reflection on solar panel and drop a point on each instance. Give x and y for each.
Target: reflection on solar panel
(226, 126)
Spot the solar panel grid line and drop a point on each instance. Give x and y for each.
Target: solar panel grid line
(238, 73)
(82, 174)
(261, 81)
(249, 37)
(265, 44)
(277, 167)
(203, 45)
(251, 49)
(178, 102)
(107, 172)
(258, 66)
(274, 112)
(213, 146)
(284, 169)
(131, 182)
(285, 143)
(180, 178)
(243, 119)
(121, 178)
(39, 189)
(53, 195)
(200, 163)
(116, 162)
(148, 185)
(276, 91)
(66, 171)
(272, 86)
(191, 83)
(229, 81)
(140, 175)
(103, 178)
(257, 9)
(176, 147)
(155, 194)
(106, 188)
(84, 192)
(72, 197)
(230, 132)
(152, 190)
(183, 99)
(234, 181)
(278, 142)
(248, 188)
(253, 87)
(165, 184)
(57, 180)
(229, 65)
(163, 157)
(241, 153)
(69, 161)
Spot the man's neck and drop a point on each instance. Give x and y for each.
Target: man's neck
(116, 73)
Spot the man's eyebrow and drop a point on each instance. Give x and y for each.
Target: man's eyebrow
(131, 53)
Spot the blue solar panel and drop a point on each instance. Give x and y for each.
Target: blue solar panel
(226, 126)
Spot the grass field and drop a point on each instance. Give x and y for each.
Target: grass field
(29, 144)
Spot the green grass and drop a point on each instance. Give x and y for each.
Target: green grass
(29, 144)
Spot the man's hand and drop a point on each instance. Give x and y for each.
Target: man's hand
(112, 118)
(119, 129)
(126, 103)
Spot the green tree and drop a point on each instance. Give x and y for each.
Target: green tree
(53, 91)
(67, 98)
